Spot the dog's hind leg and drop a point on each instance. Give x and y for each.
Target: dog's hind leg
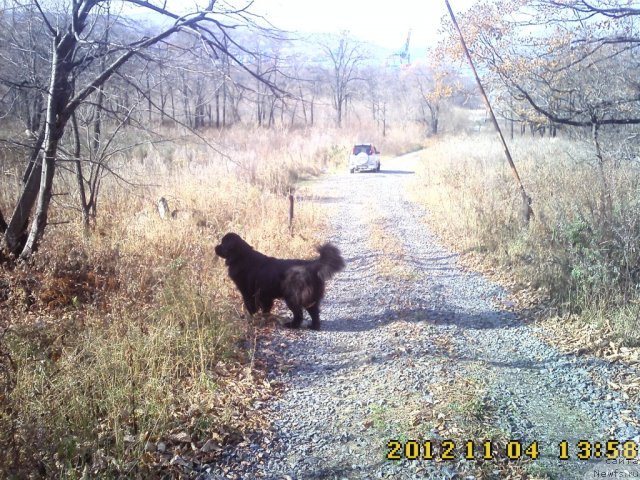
(314, 312)
(297, 315)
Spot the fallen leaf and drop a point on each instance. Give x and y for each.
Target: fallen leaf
(210, 446)
(182, 437)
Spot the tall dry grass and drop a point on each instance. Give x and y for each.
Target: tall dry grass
(119, 340)
(580, 248)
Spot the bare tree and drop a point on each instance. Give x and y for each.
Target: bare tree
(23, 55)
(345, 57)
(573, 62)
(309, 80)
(77, 45)
(435, 83)
(569, 63)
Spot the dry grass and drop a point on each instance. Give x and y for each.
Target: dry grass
(384, 242)
(130, 338)
(578, 251)
(462, 413)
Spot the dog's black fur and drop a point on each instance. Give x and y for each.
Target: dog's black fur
(262, 279)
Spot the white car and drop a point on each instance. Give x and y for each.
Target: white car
(364, 157)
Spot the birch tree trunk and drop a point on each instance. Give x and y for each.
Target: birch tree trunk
(59, 93)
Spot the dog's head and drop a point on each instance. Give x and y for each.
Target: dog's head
(232, 246)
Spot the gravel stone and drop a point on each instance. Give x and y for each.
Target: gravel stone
(364, 361)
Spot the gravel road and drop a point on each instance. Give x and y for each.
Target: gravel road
(391, 344)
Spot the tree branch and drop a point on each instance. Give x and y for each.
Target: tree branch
(3, 223)
(44, 18)
(569, 121)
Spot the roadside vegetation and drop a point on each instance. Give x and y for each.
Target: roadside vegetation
(548, 67)
(578, 253)
(125, 347)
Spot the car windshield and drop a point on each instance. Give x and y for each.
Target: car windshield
(362, 148)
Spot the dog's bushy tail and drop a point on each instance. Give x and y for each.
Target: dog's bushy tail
(330, 261)
(303, 285)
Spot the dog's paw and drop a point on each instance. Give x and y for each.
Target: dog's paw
(314, 327)
(291, 325)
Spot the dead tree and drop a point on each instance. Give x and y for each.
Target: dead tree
(346, 57)
(74, 37)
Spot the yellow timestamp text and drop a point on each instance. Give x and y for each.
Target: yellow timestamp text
(444, 450)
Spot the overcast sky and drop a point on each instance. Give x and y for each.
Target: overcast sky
(384, 23)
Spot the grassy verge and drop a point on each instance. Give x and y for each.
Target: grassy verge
(580, 250)
(386, 244)
(123, 352)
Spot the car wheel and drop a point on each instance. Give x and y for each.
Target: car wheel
(351, 170)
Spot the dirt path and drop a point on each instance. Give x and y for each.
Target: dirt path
(414, 348)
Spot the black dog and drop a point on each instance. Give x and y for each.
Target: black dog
(261, 279)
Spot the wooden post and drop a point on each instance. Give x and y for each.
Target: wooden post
(291, 213)
(163, 208)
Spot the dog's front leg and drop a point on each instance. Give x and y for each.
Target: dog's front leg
(250, 304)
